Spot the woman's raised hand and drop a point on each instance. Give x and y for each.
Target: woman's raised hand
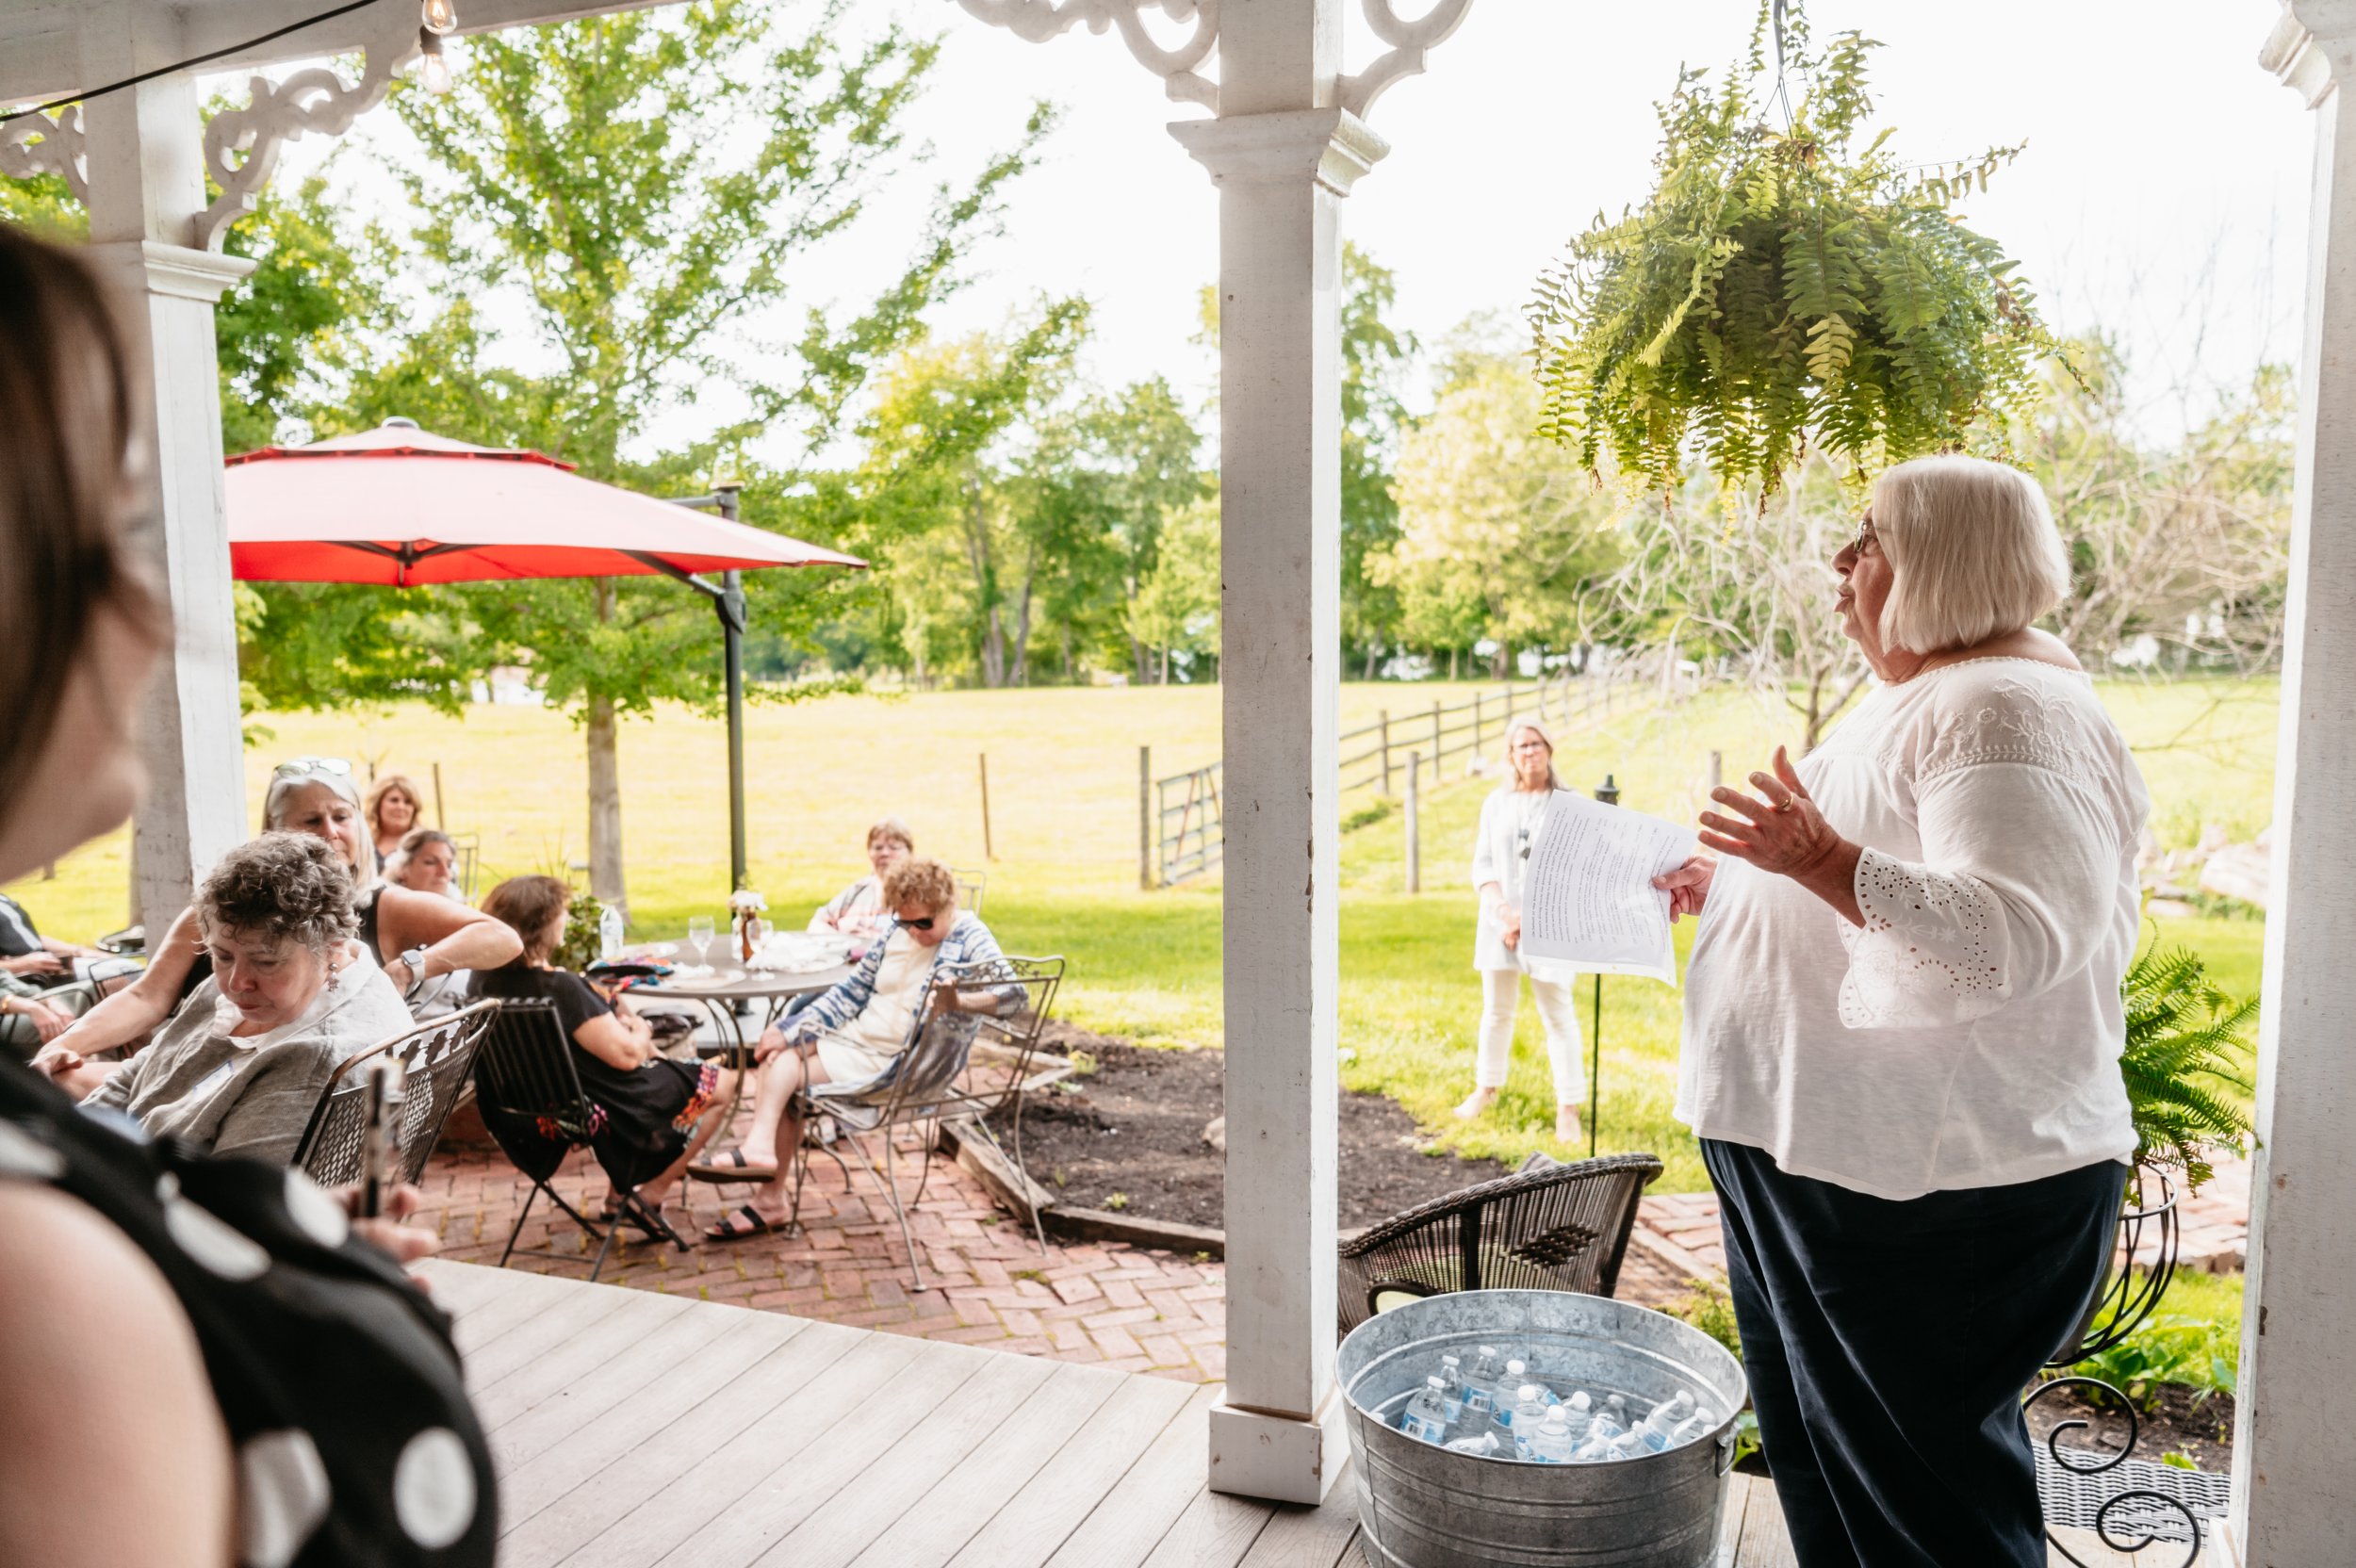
(1786, 834)
(1688, 887)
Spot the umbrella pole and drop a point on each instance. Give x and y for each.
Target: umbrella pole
(732, 637)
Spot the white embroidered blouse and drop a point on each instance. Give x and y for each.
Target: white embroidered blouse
(1968, 1035)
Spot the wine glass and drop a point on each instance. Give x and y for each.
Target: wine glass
(699, 937)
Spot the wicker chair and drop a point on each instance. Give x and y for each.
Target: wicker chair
(437, 1058)
(1562, 1227)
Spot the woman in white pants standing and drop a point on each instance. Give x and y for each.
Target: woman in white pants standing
(1508, 820)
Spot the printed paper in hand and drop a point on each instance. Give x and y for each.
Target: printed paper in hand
(1588, 898)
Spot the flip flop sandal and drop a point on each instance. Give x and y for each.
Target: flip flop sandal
(732, 1166)
(754, 1225)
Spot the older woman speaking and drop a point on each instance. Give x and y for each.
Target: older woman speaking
(1902, 1034)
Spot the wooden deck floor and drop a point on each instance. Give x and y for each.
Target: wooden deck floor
(632, 1430)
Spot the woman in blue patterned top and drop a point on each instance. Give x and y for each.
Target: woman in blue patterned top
(853, 1032)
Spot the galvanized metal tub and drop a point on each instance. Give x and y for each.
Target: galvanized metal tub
(1422, 1507)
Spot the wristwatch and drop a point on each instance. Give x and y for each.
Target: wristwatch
(415, 959)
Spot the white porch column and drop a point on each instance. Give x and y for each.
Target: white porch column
(146, 188)
(2294, 1487)
(1283, 153)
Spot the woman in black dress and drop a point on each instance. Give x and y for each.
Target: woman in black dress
(651, 1114)
(203, 1360)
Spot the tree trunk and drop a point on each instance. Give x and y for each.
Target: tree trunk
(1374, 651)
(605, 803)
(1165, 663)
(1020, 674)
(1451, 663)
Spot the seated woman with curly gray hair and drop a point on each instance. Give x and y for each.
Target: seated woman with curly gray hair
(238, 1069)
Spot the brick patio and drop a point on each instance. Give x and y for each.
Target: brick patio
(1130, 1308)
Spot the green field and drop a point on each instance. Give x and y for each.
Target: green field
(1063, 780)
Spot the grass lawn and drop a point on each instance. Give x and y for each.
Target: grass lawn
(1063, 773)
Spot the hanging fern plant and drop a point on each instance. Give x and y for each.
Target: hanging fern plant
(1780, 291)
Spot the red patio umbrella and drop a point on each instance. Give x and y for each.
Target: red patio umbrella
(400, 507)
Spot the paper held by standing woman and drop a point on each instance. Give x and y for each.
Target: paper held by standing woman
(1588, 896)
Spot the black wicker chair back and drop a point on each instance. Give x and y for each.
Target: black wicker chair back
(1565, 1227)
(434, 1058)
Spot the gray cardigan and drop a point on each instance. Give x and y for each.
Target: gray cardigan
(251, 1096)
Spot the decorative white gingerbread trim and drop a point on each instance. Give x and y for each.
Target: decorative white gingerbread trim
(1179, 67)
(1040, 20)
(1408, 41)
(40, 145)
(310, 102)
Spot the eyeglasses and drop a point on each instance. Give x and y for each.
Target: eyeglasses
(1865, 535)
(925, 925)
(297, 767)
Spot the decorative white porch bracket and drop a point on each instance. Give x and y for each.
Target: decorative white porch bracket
(2294, 1486)
(1286, 147)
(39, 144)
(314, 101)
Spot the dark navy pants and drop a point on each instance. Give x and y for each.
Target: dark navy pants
(1887, 1346)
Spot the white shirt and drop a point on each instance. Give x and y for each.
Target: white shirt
(1969, 1036)
(1509, 820)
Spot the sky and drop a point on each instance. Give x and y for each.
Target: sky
(2162, 195)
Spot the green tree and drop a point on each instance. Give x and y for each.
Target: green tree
(1500, 533)
(944, 442)
(1176, 609)
(647, 182)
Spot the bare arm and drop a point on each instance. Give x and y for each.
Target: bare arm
(454, 936)
(134, 1393)
(618, 1039)
(131, 1014)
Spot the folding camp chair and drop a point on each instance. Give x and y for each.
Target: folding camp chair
(435, 1060)
(930, 1080)
(532, 1101)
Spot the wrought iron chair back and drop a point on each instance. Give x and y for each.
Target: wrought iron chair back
(525, 1075)
(971, 886)
(931, 1080)
(435, 1058)
(1562, 1227)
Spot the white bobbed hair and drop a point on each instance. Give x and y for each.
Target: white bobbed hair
(1973, 549)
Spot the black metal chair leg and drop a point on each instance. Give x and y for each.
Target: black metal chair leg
(521, 1215)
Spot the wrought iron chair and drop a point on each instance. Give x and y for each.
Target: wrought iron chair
(971, 886)
(531, 1100)
(2138, 1503)
(436, 1059)
(931, 1080)
(1562, 1227)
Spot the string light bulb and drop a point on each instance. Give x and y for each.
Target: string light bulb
(433, 72)
(439, 17)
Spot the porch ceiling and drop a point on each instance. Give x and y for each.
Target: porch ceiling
(43, 53)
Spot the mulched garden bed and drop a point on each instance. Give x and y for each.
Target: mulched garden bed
(1130, 1138)
(2179, 1422)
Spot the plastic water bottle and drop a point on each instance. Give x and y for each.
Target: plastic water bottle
(1694, 1427)
(1483, 1444)
(1426, 1417)
(1529, 1408)
(1552, 1443)
(1608, 1426)
(1452, 1389)
(1653, 1432)
(1578, 1412)
(1502, 1396)
(1481, 1382)
(610, 930)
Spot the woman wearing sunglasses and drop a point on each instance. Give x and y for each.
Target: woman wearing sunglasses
(415, 937)
(852, 1033)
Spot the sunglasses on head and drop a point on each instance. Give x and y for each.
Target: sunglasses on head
(298, 766)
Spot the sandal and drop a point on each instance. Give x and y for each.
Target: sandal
(732, 1166)
(754, 1225)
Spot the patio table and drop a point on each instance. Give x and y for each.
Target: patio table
(728, 986)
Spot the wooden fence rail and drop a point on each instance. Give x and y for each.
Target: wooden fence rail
(1180, 821)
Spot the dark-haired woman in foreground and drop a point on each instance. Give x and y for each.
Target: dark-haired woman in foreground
(204, 1362)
